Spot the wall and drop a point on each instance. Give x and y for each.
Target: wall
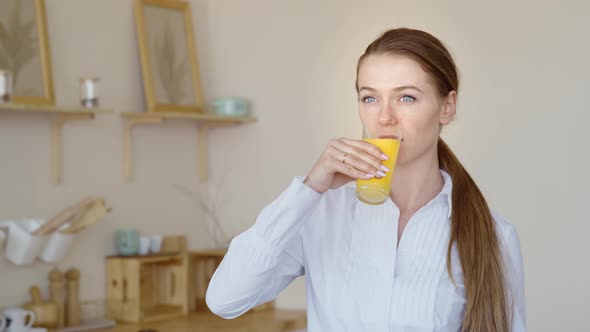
(520, 130)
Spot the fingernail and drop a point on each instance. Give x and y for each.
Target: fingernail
(384, 168)
(369, 176)
(384, 156)
(381, 174)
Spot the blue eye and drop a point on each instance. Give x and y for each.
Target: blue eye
(369, 99)
(407, 98)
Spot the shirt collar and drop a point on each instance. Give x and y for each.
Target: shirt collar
(447, 190)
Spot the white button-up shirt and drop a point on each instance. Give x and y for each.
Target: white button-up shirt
(357, 278)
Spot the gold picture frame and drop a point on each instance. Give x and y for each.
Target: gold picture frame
(24, 51)
(167, 50)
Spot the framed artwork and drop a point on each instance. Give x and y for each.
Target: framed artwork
(168, 56)
(24, 51)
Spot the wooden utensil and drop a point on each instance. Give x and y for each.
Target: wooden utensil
(62, 217)
(73, 300)
(46, 313)
(95, 211)
(56, 294)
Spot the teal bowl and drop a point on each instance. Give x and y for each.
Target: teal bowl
(231, 106)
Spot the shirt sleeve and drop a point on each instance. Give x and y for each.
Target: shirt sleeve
(267, 257)
(515, 279)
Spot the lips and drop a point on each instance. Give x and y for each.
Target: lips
(391, 136)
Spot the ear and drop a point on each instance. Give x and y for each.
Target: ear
(448, 108)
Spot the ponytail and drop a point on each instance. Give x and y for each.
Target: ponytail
(473, 232)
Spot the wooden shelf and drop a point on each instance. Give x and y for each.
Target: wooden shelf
(150, 288)
(208, 253)
(203, 117)
(152, 258)
(62, 115)
(205, 121)
(202, 265)
(52, 109)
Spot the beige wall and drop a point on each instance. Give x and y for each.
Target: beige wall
(522, 116)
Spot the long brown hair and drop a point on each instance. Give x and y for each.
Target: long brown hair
(472, 226)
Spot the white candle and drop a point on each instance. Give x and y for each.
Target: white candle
(89, 87)
(5, 86)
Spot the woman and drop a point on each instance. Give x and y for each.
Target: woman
(432, 258)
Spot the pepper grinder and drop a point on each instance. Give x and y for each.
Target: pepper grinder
(56, 294)
(73, 301)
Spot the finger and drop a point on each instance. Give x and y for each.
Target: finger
(363, 166)
(372, 149)
(351, 171)
(341, 148)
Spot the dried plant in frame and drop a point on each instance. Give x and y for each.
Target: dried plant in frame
(24, 50)
(168, 56)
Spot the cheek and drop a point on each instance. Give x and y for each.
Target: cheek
(421, 133)
(367, 116)
(427, 123)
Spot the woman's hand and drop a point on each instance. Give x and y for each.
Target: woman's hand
(345, 160)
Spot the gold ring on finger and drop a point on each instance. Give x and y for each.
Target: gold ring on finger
(344, 158)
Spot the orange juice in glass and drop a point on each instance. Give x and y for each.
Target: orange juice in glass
(375, 191)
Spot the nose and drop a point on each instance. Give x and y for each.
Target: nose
(387, 115)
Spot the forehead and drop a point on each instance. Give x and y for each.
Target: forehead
(385, 72)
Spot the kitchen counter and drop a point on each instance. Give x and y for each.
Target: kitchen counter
(259, 321)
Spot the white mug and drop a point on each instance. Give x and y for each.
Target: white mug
(2, 323)
(18, 319)
(156, 243)
(144, 245)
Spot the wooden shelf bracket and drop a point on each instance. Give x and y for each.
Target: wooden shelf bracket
(127, 147)
(204, 123)
(56, 130)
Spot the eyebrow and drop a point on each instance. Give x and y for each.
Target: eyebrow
(399, 88)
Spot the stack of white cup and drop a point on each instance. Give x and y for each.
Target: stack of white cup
(150, 244)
